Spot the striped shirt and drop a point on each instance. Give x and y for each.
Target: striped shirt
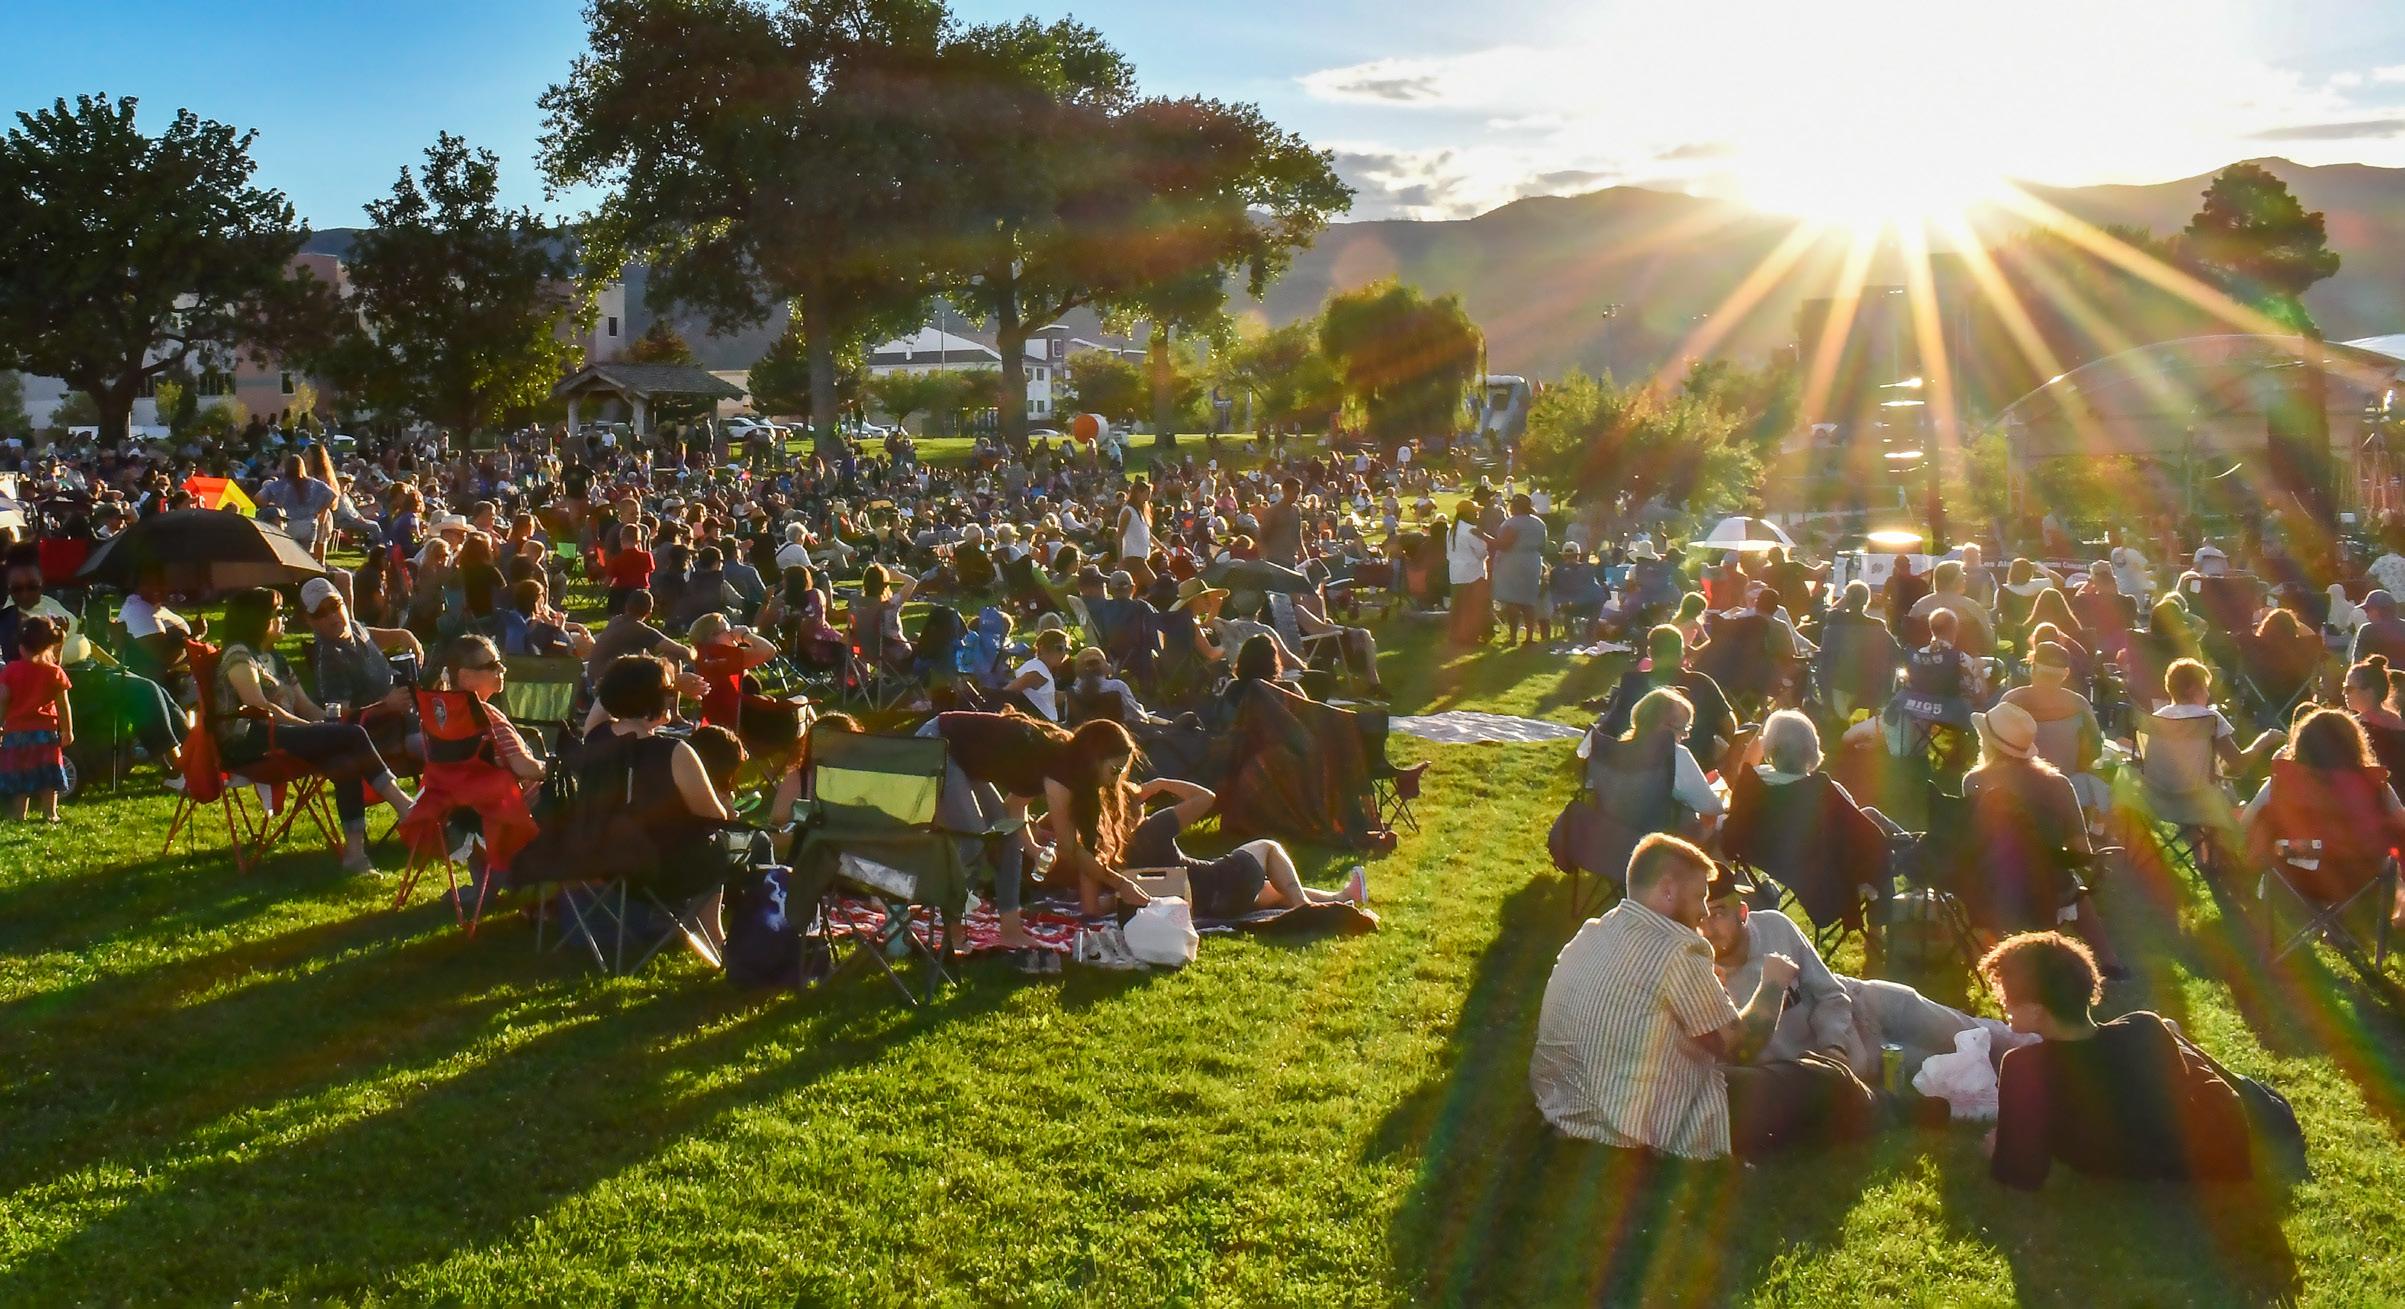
(1616, 1060)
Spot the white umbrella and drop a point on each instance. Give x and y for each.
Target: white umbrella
(1743, 533)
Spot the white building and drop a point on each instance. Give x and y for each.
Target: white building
(933, 350)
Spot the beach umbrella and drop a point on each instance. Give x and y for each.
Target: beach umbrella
(1742, 533)
(202, 550)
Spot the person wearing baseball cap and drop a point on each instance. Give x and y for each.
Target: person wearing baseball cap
(351, 665)
(1843, 1020)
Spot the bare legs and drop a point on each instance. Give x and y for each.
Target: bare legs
(1285, 887)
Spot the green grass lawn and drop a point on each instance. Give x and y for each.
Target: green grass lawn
(225, 1087)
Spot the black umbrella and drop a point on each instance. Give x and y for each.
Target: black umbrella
(202, 550)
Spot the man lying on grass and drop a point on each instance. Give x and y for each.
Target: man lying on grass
(1846, 1019)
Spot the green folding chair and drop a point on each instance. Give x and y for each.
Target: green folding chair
(540, 694)
(873, 798)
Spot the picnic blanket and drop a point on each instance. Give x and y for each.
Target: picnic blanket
(1468, 727)
(1055, 927)
(981, 931)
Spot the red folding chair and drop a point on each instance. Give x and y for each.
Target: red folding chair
(461, 772)
(252, 827)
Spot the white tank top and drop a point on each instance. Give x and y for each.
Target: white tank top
(1135, 534)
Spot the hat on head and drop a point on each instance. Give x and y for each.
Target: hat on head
(450, 523)
(2211, 561)
(1089, 575)
(1644, 549)
(2380, 599)
(1194, 589)
(1573, 548)
(2051, 654)
(1726, 881)
(315, 592)
(2010, 728)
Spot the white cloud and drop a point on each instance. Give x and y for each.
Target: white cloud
(2389, 73)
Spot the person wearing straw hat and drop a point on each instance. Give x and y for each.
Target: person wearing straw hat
(1466, 548)
(1188, 653)
(2025, 820)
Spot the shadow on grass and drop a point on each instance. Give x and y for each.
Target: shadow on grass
(617, 1073)
(1503, 1211)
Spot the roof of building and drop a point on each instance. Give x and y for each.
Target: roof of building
(647, 380)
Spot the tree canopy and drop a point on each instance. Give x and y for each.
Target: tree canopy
(1105, 383)
(1604, 440)
(124, 256)
(2255, 241)
(460, 302)
(1404, 358)
(764, 159)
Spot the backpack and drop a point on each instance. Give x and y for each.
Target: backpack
(768, 943)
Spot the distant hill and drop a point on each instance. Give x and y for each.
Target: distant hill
(1538, 274)
(1542, 274)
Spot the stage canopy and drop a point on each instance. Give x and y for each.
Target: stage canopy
(2200, 396)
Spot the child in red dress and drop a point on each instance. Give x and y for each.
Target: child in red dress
(36, 725)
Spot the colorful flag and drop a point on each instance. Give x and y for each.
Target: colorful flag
(220, 493)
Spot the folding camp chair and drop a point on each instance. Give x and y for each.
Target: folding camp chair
(461, 773)
(2332, 853)
(540, 694)
(1322, 650)
(869, 826)
(1392, 789)
(2178, 798)
(294, 788)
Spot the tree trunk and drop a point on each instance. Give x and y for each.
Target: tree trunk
(1010, 338)
(116, 405)
(1164, 404)
(819, 343)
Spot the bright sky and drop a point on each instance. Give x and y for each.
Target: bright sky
(1847, 109)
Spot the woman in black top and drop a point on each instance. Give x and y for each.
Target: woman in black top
(1000, 765)
(2126, 1098)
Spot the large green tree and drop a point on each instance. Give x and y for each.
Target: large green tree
(1290, 380)
(125, 256)
(461, 303)
(763, 160)
(1101, 382)
(899, 395)
(1406, 359)
(1603, 440)
(2255, 240)
(1069, 192)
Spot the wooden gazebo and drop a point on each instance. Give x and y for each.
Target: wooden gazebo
(639, 385)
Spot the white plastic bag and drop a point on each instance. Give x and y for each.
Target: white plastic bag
(1965, 1079)
(1162, 933)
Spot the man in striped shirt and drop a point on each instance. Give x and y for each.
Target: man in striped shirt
(1635, 1022)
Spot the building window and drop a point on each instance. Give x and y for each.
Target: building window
(213, 383)
(613, 321)
(284, 383)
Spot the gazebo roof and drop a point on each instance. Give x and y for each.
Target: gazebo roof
(645, 381)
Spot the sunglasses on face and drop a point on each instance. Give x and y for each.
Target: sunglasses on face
(482, 668)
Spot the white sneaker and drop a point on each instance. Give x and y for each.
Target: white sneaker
(267, 797)
(175, 783)
(1357, 886)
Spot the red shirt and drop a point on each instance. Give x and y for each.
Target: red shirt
(630, 568)
(722, 666)
(33, 690)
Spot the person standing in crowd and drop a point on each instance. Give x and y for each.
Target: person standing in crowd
(1466, 549)
(36, 723)
(1519, 572)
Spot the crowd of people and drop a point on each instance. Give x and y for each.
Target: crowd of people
(2048, 728)
(1092, 636)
